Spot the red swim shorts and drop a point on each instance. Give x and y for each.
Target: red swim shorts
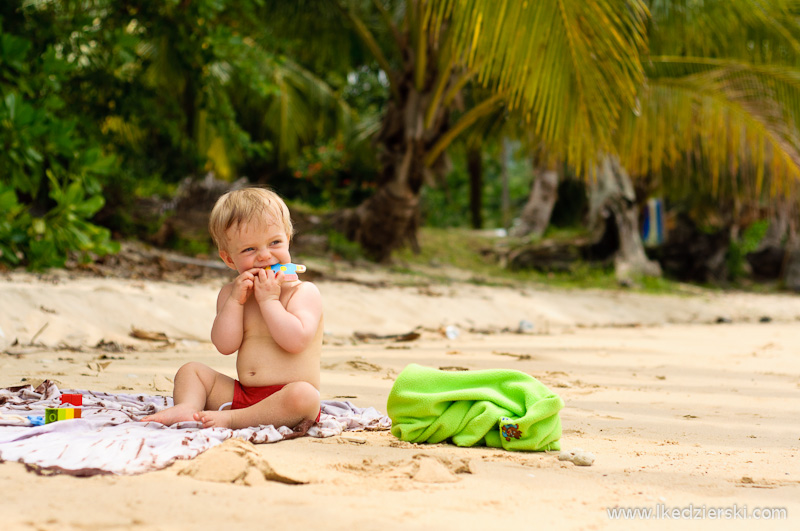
(247, 396)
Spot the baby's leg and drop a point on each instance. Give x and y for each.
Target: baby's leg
(197, 387)
(296, 402)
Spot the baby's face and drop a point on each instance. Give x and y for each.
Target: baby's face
(255, 245)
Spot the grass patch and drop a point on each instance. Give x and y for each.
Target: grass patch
(474, 251)
(460, 248)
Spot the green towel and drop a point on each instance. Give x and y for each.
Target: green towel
(496, 407)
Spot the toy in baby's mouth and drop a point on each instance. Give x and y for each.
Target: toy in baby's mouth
(289, 270)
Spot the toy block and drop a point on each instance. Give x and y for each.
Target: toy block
(74, 399)
(289, 270)
(54, 414)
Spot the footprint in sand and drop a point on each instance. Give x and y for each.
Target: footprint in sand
(361, 365)
(422, 468)
(357, 364)
(235, 461)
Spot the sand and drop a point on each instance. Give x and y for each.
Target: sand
(679, 410)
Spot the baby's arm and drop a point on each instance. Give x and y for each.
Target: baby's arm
(294, 326)
(228, 329)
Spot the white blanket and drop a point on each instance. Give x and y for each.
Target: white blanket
(109, 439)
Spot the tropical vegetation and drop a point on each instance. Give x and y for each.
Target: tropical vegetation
(393, 114)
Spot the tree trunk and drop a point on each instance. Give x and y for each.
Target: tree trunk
(778, 226)
(611, 194)
(535, 216)
(505, 200)
(767, 261)
(778, 253)
(791, 277)
(791, 266)
(475, 169)
(389, 219)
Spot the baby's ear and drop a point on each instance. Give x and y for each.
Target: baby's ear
(227, 259)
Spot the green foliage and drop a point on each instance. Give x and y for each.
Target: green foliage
(194, 247)
(13, 222)
(46, 241)
(343, 248)
(127, 99)
(739, 249)
(447, 203)
(327, 167)
(103, 102)
(51, 173)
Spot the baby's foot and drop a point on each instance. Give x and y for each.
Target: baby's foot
(172, 415)
(215, 419)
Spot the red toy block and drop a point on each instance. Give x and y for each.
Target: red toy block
(74, 399)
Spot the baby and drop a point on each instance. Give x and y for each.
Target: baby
(274, 324)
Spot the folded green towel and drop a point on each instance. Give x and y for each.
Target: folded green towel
(496, 407)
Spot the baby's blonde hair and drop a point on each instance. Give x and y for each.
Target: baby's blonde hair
(245, 206)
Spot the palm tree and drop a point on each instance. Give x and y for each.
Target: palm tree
(717, 113)
(297, 108)
(719, 109)
(568, 67)
(727, 97)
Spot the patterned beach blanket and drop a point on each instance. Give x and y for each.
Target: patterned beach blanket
(109, 439)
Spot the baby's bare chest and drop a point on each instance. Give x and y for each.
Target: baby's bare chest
(255, 318)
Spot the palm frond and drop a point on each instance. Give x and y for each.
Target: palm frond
(570, 66)
(302, 107)
(782, 82)
(129, 133)
(731, 116)
(723, 87)
(754, 30)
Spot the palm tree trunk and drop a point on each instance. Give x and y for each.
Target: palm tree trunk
(791, 276)
(535, 216)
(475, 170)
(791, 268)
(389, 219)
(505, 199)
(778, 225)
(612, 194)
(768, 260)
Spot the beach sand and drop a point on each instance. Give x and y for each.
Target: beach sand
(679, 410)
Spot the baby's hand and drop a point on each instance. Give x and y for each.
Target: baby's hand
(242, 287)
(268, 285)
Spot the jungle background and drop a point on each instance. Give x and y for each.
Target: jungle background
(521, 140)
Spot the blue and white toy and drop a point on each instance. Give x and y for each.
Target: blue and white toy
(289, 270)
